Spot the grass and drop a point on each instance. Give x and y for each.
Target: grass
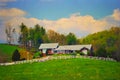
(6, 52)
(70, 69)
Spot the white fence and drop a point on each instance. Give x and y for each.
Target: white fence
(54, 58)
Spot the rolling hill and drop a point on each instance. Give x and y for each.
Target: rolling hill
(69, 69)
(6, 52)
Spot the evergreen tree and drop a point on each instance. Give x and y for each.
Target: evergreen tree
(16, 55)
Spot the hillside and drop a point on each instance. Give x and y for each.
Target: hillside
(6, 52)
(105, 43)
(70, 69)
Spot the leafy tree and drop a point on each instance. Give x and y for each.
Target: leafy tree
(39, 33)
(71, 39)
(23, 39)
(45, 38)
(52, 36)
(31, 37)
(56, 37)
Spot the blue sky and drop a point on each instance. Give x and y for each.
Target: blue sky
(81, 17)
(55, 9)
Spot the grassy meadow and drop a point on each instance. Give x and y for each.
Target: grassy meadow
(6, 52)
(69, 69)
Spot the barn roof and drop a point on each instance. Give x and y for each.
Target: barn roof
(74, 47)
(48, 45)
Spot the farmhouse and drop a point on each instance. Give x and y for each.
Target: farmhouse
(73, 48)
(51, 48)
(48, 48)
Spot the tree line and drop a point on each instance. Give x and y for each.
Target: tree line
(33, 37)
(105, 43)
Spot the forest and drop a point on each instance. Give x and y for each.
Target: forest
(105, 43)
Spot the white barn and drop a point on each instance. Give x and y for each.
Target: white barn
(73, 48)
(48, 48)
(51, 48)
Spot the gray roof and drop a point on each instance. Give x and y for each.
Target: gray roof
(48, 46)
(74, 47)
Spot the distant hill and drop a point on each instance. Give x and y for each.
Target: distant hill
(6, 52)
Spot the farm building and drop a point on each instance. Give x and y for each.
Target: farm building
(48, 48)
(73, 48)
(51, 48)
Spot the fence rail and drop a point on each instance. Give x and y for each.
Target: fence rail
(54, 58)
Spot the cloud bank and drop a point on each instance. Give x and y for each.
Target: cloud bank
(13, 12)
(80, 25)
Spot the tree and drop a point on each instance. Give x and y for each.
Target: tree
(55, 37)
(23, 39)
(52, 36)
(39, 33)
(16, 55)
(71, 39)
(62, 39)
(31, 37)
(9, 33)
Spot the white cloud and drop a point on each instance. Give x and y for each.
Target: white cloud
(75, 23)
(13, 12)
(116, 14)
(5, 16)
(80, 25)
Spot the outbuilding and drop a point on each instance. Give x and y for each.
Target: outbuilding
(48, 48)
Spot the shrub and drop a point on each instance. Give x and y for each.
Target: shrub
(101, 52)
(78, 54)
(25, 55)
(16, 55)
(37, 54)
(116, 56)
(81, 53)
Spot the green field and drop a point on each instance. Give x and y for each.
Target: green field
(6, 52)
(69, 69)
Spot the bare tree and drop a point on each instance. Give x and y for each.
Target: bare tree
(11, 34)
(8, 33)
(14, 36)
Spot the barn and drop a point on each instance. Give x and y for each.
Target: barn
(72, 48)
(48, 48)
(51, 48)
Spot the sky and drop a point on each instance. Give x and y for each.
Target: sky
(81, 17)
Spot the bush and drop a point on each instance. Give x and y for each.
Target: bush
(37, 54)
(16, 55)
(24, 54)
(116, 56)
(78, 54)
(81, 53)
(101, 52)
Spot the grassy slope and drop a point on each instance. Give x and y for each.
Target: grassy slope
(7, 51)
(70, 69)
